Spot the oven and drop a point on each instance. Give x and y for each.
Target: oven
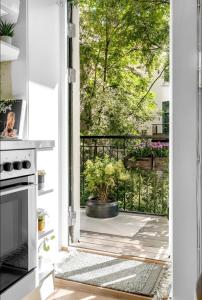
(17, 216)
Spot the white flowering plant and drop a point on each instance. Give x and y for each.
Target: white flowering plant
(103, 175)
(41, 213)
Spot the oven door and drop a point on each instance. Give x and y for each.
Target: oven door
(17, 229)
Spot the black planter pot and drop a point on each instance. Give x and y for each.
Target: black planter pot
(97, 209)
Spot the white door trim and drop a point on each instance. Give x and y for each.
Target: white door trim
(183, 178)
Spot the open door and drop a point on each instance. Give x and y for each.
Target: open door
(73, 94)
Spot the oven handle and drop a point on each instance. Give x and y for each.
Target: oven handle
(16, 189)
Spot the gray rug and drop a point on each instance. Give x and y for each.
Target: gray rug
(114, 273)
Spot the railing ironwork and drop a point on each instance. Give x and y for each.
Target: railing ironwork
(158, 129)
(146, 191)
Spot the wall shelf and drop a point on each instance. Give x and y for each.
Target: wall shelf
(8, 52)
(45, 191)
(45, 273)
(43, 234)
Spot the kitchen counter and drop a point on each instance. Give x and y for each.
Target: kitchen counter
(26, 144)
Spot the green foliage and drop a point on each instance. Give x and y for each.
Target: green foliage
(103, 175)
(45, 243)
(123, 44)
(6, 28)
(147, 191)
(144, 191)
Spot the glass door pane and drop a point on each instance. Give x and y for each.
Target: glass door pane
(13, 237)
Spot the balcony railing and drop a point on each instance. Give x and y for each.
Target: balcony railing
(158, 129)
(146, 191)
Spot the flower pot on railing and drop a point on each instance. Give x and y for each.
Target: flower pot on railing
(160, 163)
(144, 163)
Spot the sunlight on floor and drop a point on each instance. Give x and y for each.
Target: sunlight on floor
(67, 294)
(127, 234)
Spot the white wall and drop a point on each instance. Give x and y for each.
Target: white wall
(19, 67)
(44, 80)
(183, 160)
(162, 93)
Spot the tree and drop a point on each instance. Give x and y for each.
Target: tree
(123, 44)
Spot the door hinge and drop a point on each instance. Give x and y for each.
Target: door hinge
(60, 3)
(199, 78)
(199, 5)
(71, 75)
(199, 68)
(71, 30)
(71, 218)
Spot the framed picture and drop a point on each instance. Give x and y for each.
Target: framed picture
(12, 115)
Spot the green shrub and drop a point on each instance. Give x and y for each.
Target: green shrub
(103, 175)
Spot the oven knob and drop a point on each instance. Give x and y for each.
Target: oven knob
(26, 164)
(8, 167)
(1, 168)
(17, 165)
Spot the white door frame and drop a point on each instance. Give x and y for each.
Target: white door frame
(65, 161)
(183, 157)
(183, 173)
(63, 179)
(75, 205)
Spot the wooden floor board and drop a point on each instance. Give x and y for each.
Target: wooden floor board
(155, 243)
(125, 250)
(123, 245)
(79, 291)
(131, 234)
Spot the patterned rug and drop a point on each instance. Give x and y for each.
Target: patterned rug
(114, 273)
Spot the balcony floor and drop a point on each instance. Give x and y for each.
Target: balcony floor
(128, 234)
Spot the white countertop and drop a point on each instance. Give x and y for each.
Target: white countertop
(26, 144)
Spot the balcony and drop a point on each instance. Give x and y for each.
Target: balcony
(141, 228)
(160, 129)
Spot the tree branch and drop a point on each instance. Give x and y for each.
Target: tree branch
(151, 86)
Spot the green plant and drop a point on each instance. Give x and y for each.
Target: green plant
(45, 243)
(124, 47)
(149, 149)
(6, 28)
(103, 175)
(41, 213)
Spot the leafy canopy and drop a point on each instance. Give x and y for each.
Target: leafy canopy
(122, 46)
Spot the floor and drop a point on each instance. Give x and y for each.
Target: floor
(68, 290)
(127, 234)
(71, 294)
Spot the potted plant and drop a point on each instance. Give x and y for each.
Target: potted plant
(41, 215)
(102, 177)
(41, 179)
(6, 31)
(148, 156)
(160, 154)
(141, 157)
(45, 246)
